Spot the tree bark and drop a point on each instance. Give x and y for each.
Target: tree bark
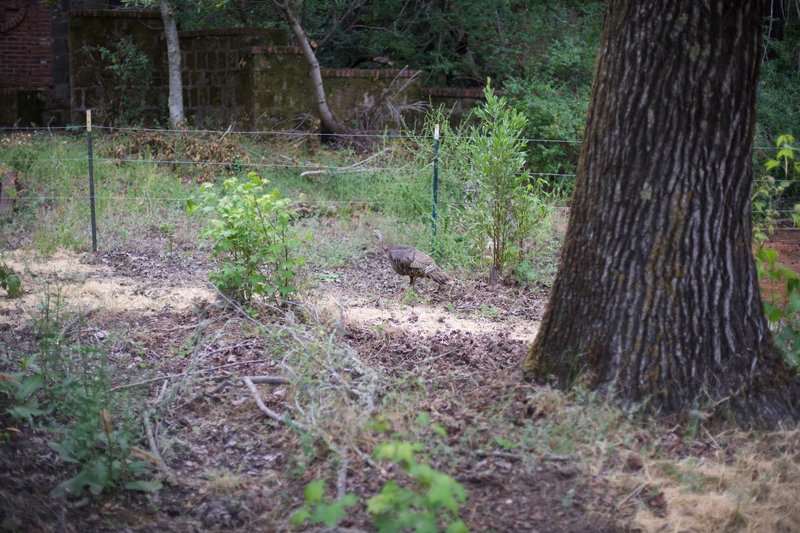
(656, 299)
(329, 122)
(175, 100)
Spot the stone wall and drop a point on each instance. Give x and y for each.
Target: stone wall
(217, 72)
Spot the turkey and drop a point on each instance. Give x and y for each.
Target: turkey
(408, 261)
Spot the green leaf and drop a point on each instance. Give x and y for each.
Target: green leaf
(439, 430)
(26, 410)
(98, 477)
(387, 499)
(440, 495)
(773, 312)
(426, 524)
(143, 485)
(73, 485)
(379, 424)
(794, 303)
(349, 500)
(191, 205)
(328, 514)
(793, 283)
(314, 491)
(300, 517)
(29, 386)
(457, 527)
(14, 285)
(768, 254)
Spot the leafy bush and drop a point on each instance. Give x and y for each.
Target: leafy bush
(779, 90)
(768, 195)
(433, 499)
(250, 232)
(507, 202)
(19, 152)
(131, 73)
(556, 117)
(782, 308)
(10, 281)
(317, 511)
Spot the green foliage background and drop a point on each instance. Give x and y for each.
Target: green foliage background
(540, 54)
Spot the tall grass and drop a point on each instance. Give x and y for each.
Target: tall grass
(53, 206)
(143, 183)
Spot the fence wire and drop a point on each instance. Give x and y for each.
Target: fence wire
(280, 133)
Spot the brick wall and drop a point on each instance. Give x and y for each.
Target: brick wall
(26, 45)
(50, 72)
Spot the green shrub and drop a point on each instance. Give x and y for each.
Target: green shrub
(782, 173)
(317, 511)
(507, 202)
(10, 281)
(434, 498)
(250, 232)
(782, 309)
(131, 73)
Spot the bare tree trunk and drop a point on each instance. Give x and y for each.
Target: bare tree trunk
(656, 299)
(176, 115)
(330, 123)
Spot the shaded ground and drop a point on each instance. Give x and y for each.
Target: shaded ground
(237, 470)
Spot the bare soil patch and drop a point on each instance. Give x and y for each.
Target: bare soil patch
(235, 467)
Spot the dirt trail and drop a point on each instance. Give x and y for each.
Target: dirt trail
(388, 313)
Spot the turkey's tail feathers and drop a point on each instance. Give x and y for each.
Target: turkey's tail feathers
(439, 276)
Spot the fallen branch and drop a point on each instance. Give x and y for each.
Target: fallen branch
(633, 493)
(62, 334)
(151, 441)
(260, 403)
(200, 395)
(176, 328)
(518, 456)
(272, 380)
(244, 344)
(341, 478)
(226, 133)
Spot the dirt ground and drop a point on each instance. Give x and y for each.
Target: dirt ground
(237, 470)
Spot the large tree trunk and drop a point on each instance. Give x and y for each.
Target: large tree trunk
(175, 100)
(330, 123)
(656, 299)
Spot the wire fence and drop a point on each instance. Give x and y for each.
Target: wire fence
(279, 133)
(304, 168)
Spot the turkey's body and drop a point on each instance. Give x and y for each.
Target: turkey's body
(408, 261)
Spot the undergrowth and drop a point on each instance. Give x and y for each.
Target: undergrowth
(64, 387)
